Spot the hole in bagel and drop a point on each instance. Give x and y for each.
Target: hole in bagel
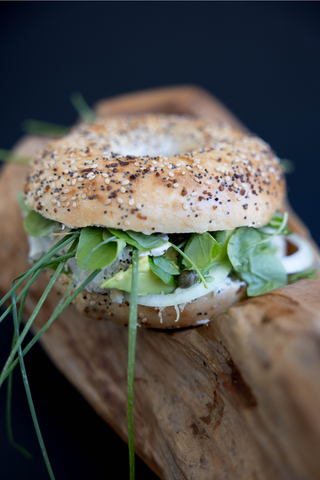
(155, 147)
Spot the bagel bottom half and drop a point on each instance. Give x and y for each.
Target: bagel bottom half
(195, 313)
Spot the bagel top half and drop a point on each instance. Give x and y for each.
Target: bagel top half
(156, 173)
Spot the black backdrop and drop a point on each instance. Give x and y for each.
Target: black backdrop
(261, 59)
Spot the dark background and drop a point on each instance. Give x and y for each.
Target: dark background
(261, 59)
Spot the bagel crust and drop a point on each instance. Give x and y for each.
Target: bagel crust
(156, 173)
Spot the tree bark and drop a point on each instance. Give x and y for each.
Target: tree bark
(237, 399)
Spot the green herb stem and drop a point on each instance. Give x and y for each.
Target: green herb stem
(28, 392)
(12, 157)
(44, 128)
(53, 317)
(30, 321)
(83, 109)
(62, 243)
(15, 445)
(60, 307)
(131, 356)
(191, 262)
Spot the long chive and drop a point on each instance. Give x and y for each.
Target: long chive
(34, 277)
(81, 106)
(30, 321)
(28, 392)
(12, 157)
(15, 445)
(62, 243)
(58, 310)
(193, 264)
(50, 321)
(44, 128)
(132, 334)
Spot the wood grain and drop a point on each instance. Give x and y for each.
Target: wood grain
(238, 399)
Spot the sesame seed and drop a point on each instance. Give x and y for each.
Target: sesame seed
(183, 173)
(66, 171)
(58, 204)
(193, 194)
(127, 222)
(125, 182)
(72, 161)
(176, 185)
(67, 204)
(94, 166)
(54, 201)
(131, 202)
(107, 181)
(84, 195)
(171, 174)
(119, 200)
(185, 206)
(208, 182)
(74, 181)
(239, 199)
(92, 302)
(105, 175)
(122, 189)
(74, 204)
(199, 207)
(136, 164)
(63, 199)
(108, 201)
(56, 194)
(74, 168)
(53, 185)
(73, 198)
(138, 206)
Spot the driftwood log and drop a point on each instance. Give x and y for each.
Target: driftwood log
(237, 399)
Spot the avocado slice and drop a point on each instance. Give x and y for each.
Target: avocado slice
(148, 281)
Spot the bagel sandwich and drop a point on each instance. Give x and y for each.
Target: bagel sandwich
(198, 200)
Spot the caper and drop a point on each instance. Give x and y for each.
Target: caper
(188, 278)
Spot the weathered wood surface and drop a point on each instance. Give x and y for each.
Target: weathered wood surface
(238, 399)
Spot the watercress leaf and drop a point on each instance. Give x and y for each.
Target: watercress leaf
(38, 226)
(259, 287)
(164, 276)
(126, 238)
(22, 203)
(167, 265)
(148, 242)
(253, 260)
(276, 222)
(241, 245)
(309, 273)
(120, 243)
(90, 238)
(201, 249)
(268, 268)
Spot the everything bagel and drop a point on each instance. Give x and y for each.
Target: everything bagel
(157, 173)
(168, 180)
